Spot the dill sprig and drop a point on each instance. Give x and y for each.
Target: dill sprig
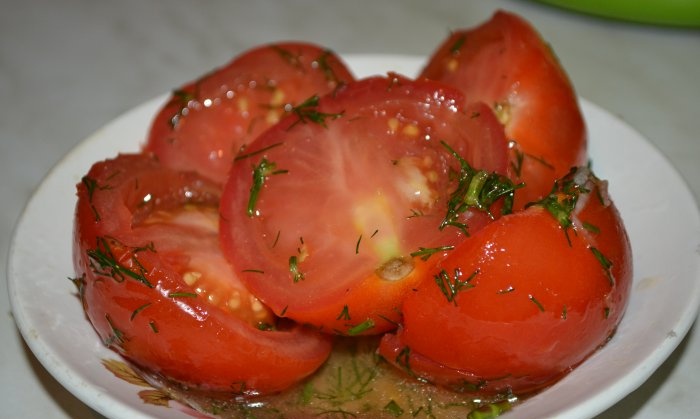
(103, 261)
(261, 172)
(562, 199)
(307, 111)
(476, 189)
(450, 286)
(426, 252)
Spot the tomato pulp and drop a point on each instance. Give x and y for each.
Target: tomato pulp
(331, 216)
(205, 122)
(157, 288)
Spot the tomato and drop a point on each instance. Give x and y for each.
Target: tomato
(157, 288)
(524, 300)
(324, 216)
(505, 63)
(205, 122)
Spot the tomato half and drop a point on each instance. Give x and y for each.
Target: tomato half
(524, 300)
(324, 216)
(157, 288)
(505, 63)
(205, 122)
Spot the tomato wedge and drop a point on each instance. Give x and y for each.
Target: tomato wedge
(328, 216)
(205, 122)
(157, 288)
(524, 300)
(505, 63)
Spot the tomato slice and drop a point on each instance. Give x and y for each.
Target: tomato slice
(324, 216)
(524, 300)
(205, 122)
(157, 288)
(505, 63)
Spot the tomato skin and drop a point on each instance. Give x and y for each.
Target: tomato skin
(505, 63)
(132, 285)
(205, 122)
(535, 307)
(345, 203)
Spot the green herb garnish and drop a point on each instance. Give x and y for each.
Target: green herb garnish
(539, 305)
(561, 201)
(322, 61)
(92, 186)
(182, 98)
(415, 213)
(297, 275)
(450, 286)
(265, 327)
(476, 189)
(426, 252)
(394, 409)
(490, 410)
(103, 262)
(507, 290)
(457, 45)
(362, 327)
(590, 227)
(517, 165)
(138, 310)
(182, 295)
(307, 112)
(344, 314)
(403, 360)
(241, 155)
(79, 283)
(291, 58)
(260, 174)
(605, 263)
(347, 384)
(117, 335)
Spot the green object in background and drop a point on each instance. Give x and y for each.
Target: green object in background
(660, 12)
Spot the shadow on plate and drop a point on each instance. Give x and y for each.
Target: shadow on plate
(69, 404)
(635, 401)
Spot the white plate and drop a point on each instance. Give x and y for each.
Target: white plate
(658, 209)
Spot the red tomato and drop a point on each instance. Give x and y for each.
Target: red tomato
(323, 214)
(505, 63)
(522, 301)
(157, 288)
(205, 123)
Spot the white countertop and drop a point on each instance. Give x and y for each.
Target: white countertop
(68, 67)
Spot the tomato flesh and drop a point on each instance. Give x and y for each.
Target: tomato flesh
(521, 302)
(205, 122)
(157, 288)
(505, 63)
(352, 188)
